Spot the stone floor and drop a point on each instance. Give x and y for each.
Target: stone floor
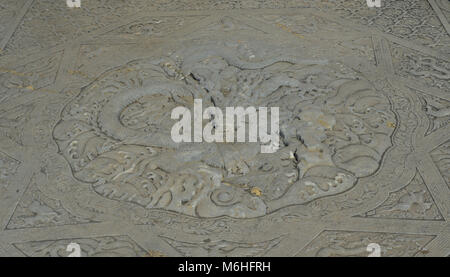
(86, 157)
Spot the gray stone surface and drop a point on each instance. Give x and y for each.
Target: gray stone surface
(85, 148)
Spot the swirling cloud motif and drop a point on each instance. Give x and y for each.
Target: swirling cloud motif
(334, 129)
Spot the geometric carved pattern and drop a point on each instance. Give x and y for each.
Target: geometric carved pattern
(25, 79)
(36, 209)
(414, 65)
(312, 26)
(93, 138)
(37, 31)
(414, 201)
(222, 248)
(153, 26)
(346, 243)
(8, 166)
(407, 19)
(117, 246)
(441, 157)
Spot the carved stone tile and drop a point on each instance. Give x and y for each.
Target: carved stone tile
(39, 30)
(49, 22)
(323, 30)
(414, 201)
(36, 209)
(432, 71)
(407, 19)
(24, 79)
(108, 246)
(8, 168)
(222, 248)
(94, 132)
(152, 27)
(441, 157)
(354, 244)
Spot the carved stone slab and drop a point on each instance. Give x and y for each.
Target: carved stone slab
(86, 154)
